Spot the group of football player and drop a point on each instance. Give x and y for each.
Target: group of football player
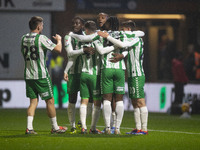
(97, 61)
(96, 67)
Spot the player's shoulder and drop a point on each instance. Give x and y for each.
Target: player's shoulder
(25, 35)
(67, 36)
(67, 39)
(43, 36)
(45, 40)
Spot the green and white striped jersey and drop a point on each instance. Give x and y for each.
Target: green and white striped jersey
(72, 45)
(135, 58)
(91, 63)
(34, 48)
(105, 58)
(130, 41)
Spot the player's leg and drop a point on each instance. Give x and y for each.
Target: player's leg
(95, 117)
(119, 112)
(107, 110)
(90, 106)
(32, 94)
(30, 116)
(44, 88)
(83, 114)
(136, 93)
(113, 116)
(107, 91)
(73, 86)
(85, 94)
(95, 90)
(139, 86)
(51, 112)
(143, 114)
(137, 116)
(71, 110)
(133, 96)
(119, 89)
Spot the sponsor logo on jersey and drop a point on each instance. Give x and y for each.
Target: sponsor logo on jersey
(120, 89)
(96, 92)
(45, 94)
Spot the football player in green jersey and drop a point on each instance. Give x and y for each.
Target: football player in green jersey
(90, 83)
(108, 68)
(91, 86)
(73, 69)
(72, 73)
(112, 80)
(101, 19)
(136, 76)
(38, 83)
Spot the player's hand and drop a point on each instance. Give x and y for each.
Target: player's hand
(88, 50)
(57, 37)
(103, 34)
(66, 78)
(116, 58)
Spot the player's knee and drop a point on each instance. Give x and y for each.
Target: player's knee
(141, 102)
(73, 98)
(107, 96)
(50, 101)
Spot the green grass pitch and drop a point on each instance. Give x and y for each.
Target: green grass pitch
(166, 132)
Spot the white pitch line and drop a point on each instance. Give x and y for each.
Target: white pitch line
(156, 130)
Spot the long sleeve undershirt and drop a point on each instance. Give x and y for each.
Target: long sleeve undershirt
(121, 44)
(103, 50)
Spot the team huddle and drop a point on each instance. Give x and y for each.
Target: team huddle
(96, 67)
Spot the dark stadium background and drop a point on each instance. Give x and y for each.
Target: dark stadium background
(179, 20)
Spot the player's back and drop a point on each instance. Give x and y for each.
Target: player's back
(34, 52)
(135, 59)
(106, 58)
(91, 63)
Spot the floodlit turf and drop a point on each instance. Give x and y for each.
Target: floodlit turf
(166, 132)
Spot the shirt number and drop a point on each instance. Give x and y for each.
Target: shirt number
(31, 53)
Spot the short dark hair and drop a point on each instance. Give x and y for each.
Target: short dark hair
(129, 24)
(79, 18)
(91, 25)
(34, 21)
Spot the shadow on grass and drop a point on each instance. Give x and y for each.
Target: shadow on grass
(67, 135)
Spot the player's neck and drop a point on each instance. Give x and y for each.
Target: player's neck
(35, 31)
